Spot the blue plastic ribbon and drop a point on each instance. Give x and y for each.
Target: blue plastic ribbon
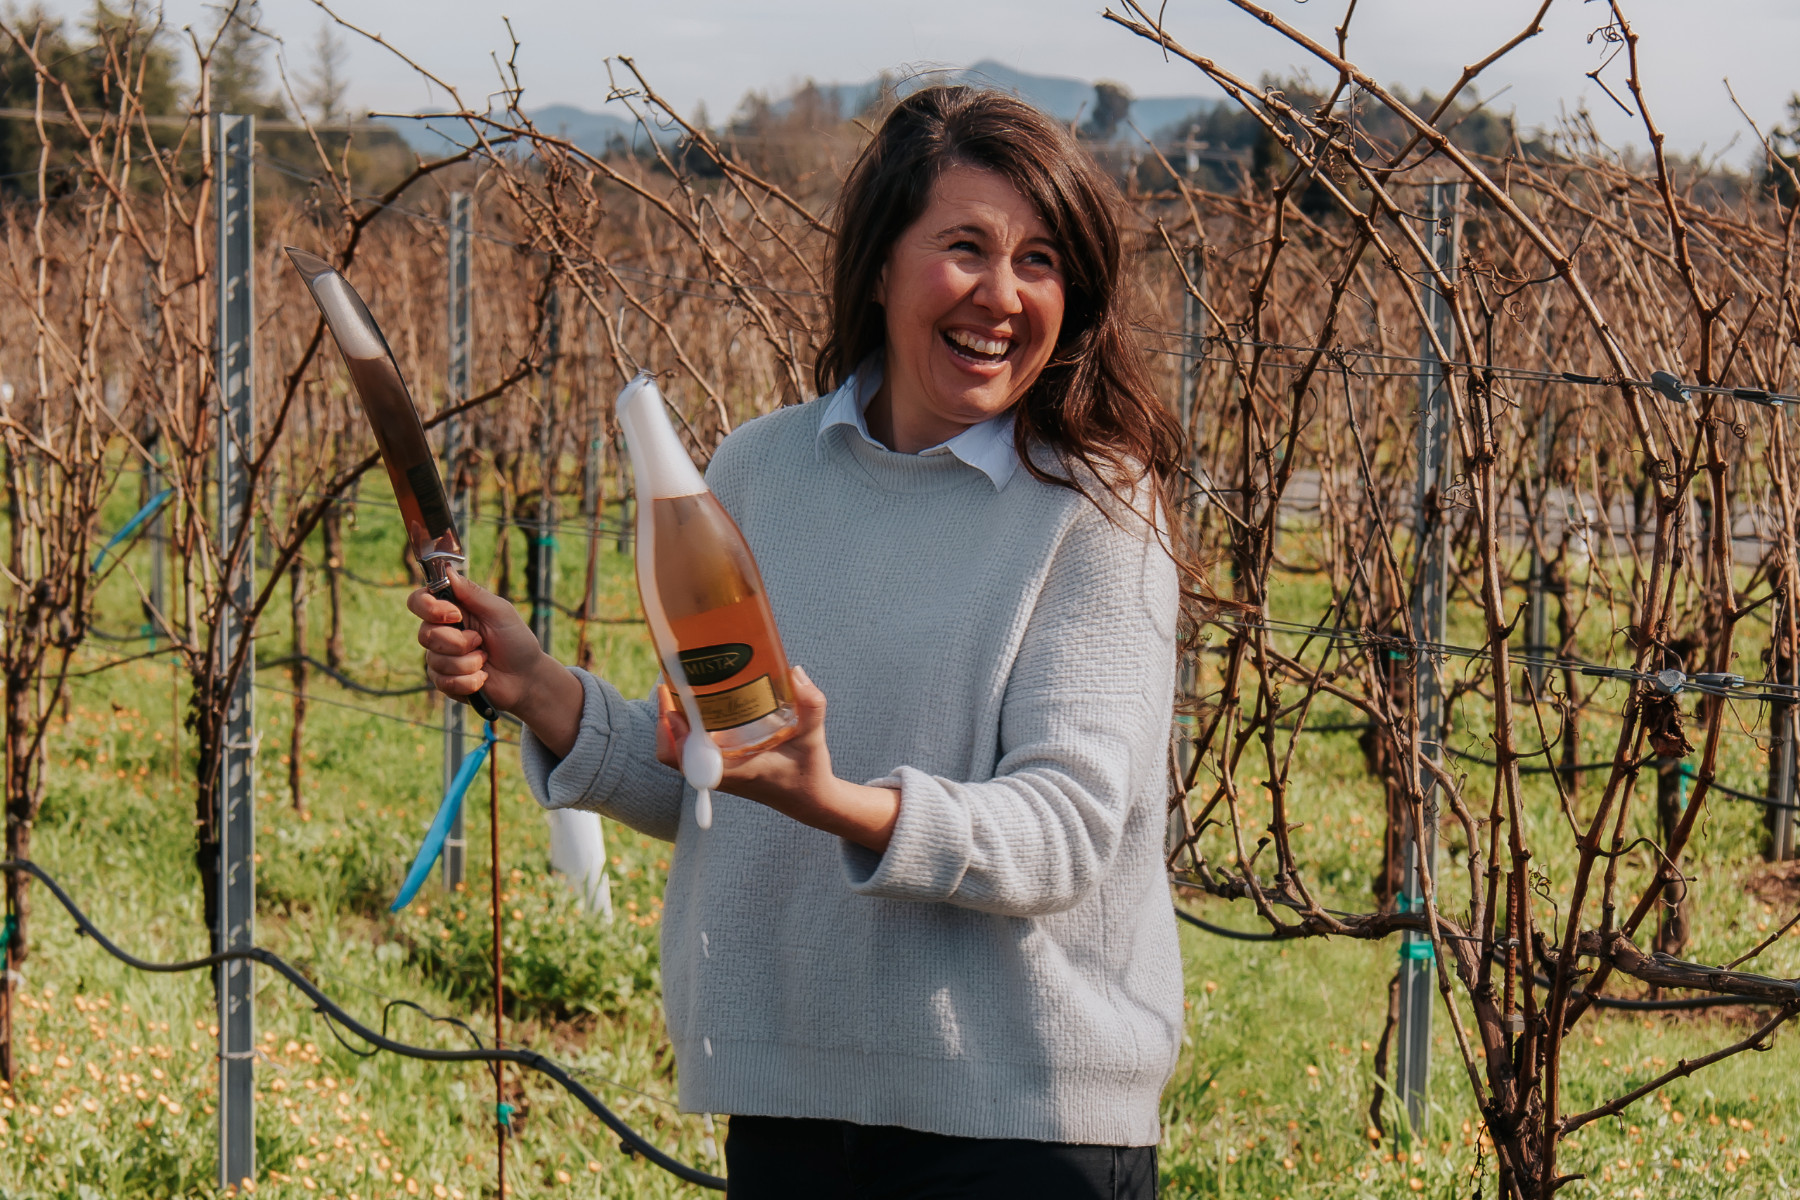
(143, 514)
(440, 824)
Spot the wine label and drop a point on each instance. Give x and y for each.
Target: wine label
(739, 705)
(708, 665)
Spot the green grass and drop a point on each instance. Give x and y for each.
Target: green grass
(1269, 1097)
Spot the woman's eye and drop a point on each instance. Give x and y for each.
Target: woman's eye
(1041, 260)
(966, 247)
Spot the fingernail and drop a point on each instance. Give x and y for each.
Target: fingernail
(801, 673)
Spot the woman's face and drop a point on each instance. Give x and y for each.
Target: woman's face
(973, 294)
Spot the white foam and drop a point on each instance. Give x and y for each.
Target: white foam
(356, 336)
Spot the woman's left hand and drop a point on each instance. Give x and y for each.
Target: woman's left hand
(795, 778)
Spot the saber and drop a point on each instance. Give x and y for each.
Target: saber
(400, 435)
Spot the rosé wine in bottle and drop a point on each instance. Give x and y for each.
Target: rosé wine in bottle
(704, 601)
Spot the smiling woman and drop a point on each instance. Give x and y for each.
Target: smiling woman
(996, 226)
(973, 292)
(926, 947)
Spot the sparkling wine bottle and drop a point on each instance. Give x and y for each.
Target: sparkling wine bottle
(704, 601)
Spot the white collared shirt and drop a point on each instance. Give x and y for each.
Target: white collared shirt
(988, 446)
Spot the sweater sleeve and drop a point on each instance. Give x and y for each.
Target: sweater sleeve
(1084, 729)
(612, 767)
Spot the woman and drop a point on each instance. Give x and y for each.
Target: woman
(926, 947)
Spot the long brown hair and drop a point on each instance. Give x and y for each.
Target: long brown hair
(1093, 404)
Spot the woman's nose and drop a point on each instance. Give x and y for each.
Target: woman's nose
(998, 290)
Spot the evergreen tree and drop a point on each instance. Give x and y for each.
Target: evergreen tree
(1785, 139)
(239, 84)
(326, 83)
(1112, 105)
(134, 37)
(129, 35)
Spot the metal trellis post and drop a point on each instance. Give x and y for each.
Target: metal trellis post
(1193, 331)
(237, 758)
(1782, 723)
(542, 559)
(1781, 719)
(593, 467)
(151, 437)
(1417, 970)
(593, 471)
(150, 476)
(457, 387)
(623, 544)
(591, 511)
(1537, 616)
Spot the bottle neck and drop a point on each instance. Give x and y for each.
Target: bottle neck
(659, 464)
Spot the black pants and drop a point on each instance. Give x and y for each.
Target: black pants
(780, 1158)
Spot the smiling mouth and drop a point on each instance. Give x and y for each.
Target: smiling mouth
(977, 349)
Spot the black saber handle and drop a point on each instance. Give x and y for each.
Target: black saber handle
(437, 575)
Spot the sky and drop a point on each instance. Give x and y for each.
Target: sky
(714, 51)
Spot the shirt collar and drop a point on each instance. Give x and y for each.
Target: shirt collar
(988, 446)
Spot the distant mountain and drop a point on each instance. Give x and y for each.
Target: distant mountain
(591, 131)
(1064, 98)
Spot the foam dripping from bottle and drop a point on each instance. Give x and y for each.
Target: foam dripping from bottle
(701, 761)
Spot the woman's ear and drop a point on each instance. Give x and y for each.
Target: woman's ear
(879, 292)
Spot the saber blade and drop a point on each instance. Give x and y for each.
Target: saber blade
(399, 434)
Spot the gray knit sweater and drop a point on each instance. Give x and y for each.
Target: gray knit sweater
(1005, 657)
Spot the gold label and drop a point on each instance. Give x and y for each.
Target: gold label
(739, 705)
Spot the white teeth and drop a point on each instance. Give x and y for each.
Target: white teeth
(980, 345)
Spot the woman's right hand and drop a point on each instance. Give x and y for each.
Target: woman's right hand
(497, 653)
